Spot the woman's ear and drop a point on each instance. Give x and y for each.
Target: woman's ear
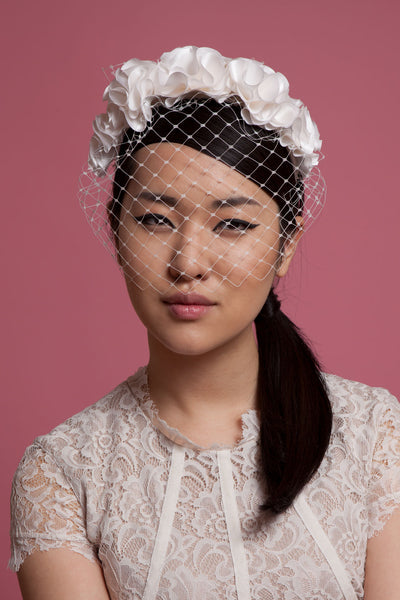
(289, 248)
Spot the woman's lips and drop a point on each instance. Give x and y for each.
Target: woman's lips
(188, 306)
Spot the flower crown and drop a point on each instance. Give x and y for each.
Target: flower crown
(261, 92)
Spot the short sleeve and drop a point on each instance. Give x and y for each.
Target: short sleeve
(45, 513)
(384, 484)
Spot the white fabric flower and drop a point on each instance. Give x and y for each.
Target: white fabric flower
(107, 128)
(262, 93)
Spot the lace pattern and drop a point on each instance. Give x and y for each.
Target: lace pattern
(97, 484)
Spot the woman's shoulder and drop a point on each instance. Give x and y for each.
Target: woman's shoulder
(362, 463)
(99, 427)
(356, 400)
(366, 421)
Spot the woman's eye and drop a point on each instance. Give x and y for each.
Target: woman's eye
(154, 220)
(234, 225)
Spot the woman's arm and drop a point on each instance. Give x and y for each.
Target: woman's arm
(61, 574)
(382, 570)
(50, 547)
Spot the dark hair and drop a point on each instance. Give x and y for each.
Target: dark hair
(296, 415)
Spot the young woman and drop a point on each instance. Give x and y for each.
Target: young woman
(229, 467)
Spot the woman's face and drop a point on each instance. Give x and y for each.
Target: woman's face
(199, 245)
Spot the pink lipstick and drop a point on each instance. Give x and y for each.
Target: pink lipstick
(188, 307)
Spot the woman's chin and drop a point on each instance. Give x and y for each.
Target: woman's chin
(186, 347)
(200, 342)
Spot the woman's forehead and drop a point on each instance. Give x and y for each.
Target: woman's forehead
(180, 171)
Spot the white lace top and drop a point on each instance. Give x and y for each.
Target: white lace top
(170, 520)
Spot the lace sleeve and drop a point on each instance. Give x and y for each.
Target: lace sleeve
(384, 485)
(45, 513)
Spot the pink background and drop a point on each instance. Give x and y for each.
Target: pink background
(69, 332)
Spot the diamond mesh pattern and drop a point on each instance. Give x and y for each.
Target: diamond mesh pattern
(200, 194)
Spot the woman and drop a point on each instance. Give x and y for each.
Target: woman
(229, 467)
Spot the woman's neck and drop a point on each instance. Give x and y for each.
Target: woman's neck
(204, 396)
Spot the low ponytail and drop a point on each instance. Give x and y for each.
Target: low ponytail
(296, 414)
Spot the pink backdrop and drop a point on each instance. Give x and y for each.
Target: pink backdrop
(69, 332)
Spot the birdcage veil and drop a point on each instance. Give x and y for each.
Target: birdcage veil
(195, 159)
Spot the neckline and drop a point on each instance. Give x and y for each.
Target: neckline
(138, 382)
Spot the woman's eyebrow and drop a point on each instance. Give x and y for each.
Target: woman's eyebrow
(233, 202)
(162, 198)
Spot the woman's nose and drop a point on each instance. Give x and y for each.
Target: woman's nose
(189, 256)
